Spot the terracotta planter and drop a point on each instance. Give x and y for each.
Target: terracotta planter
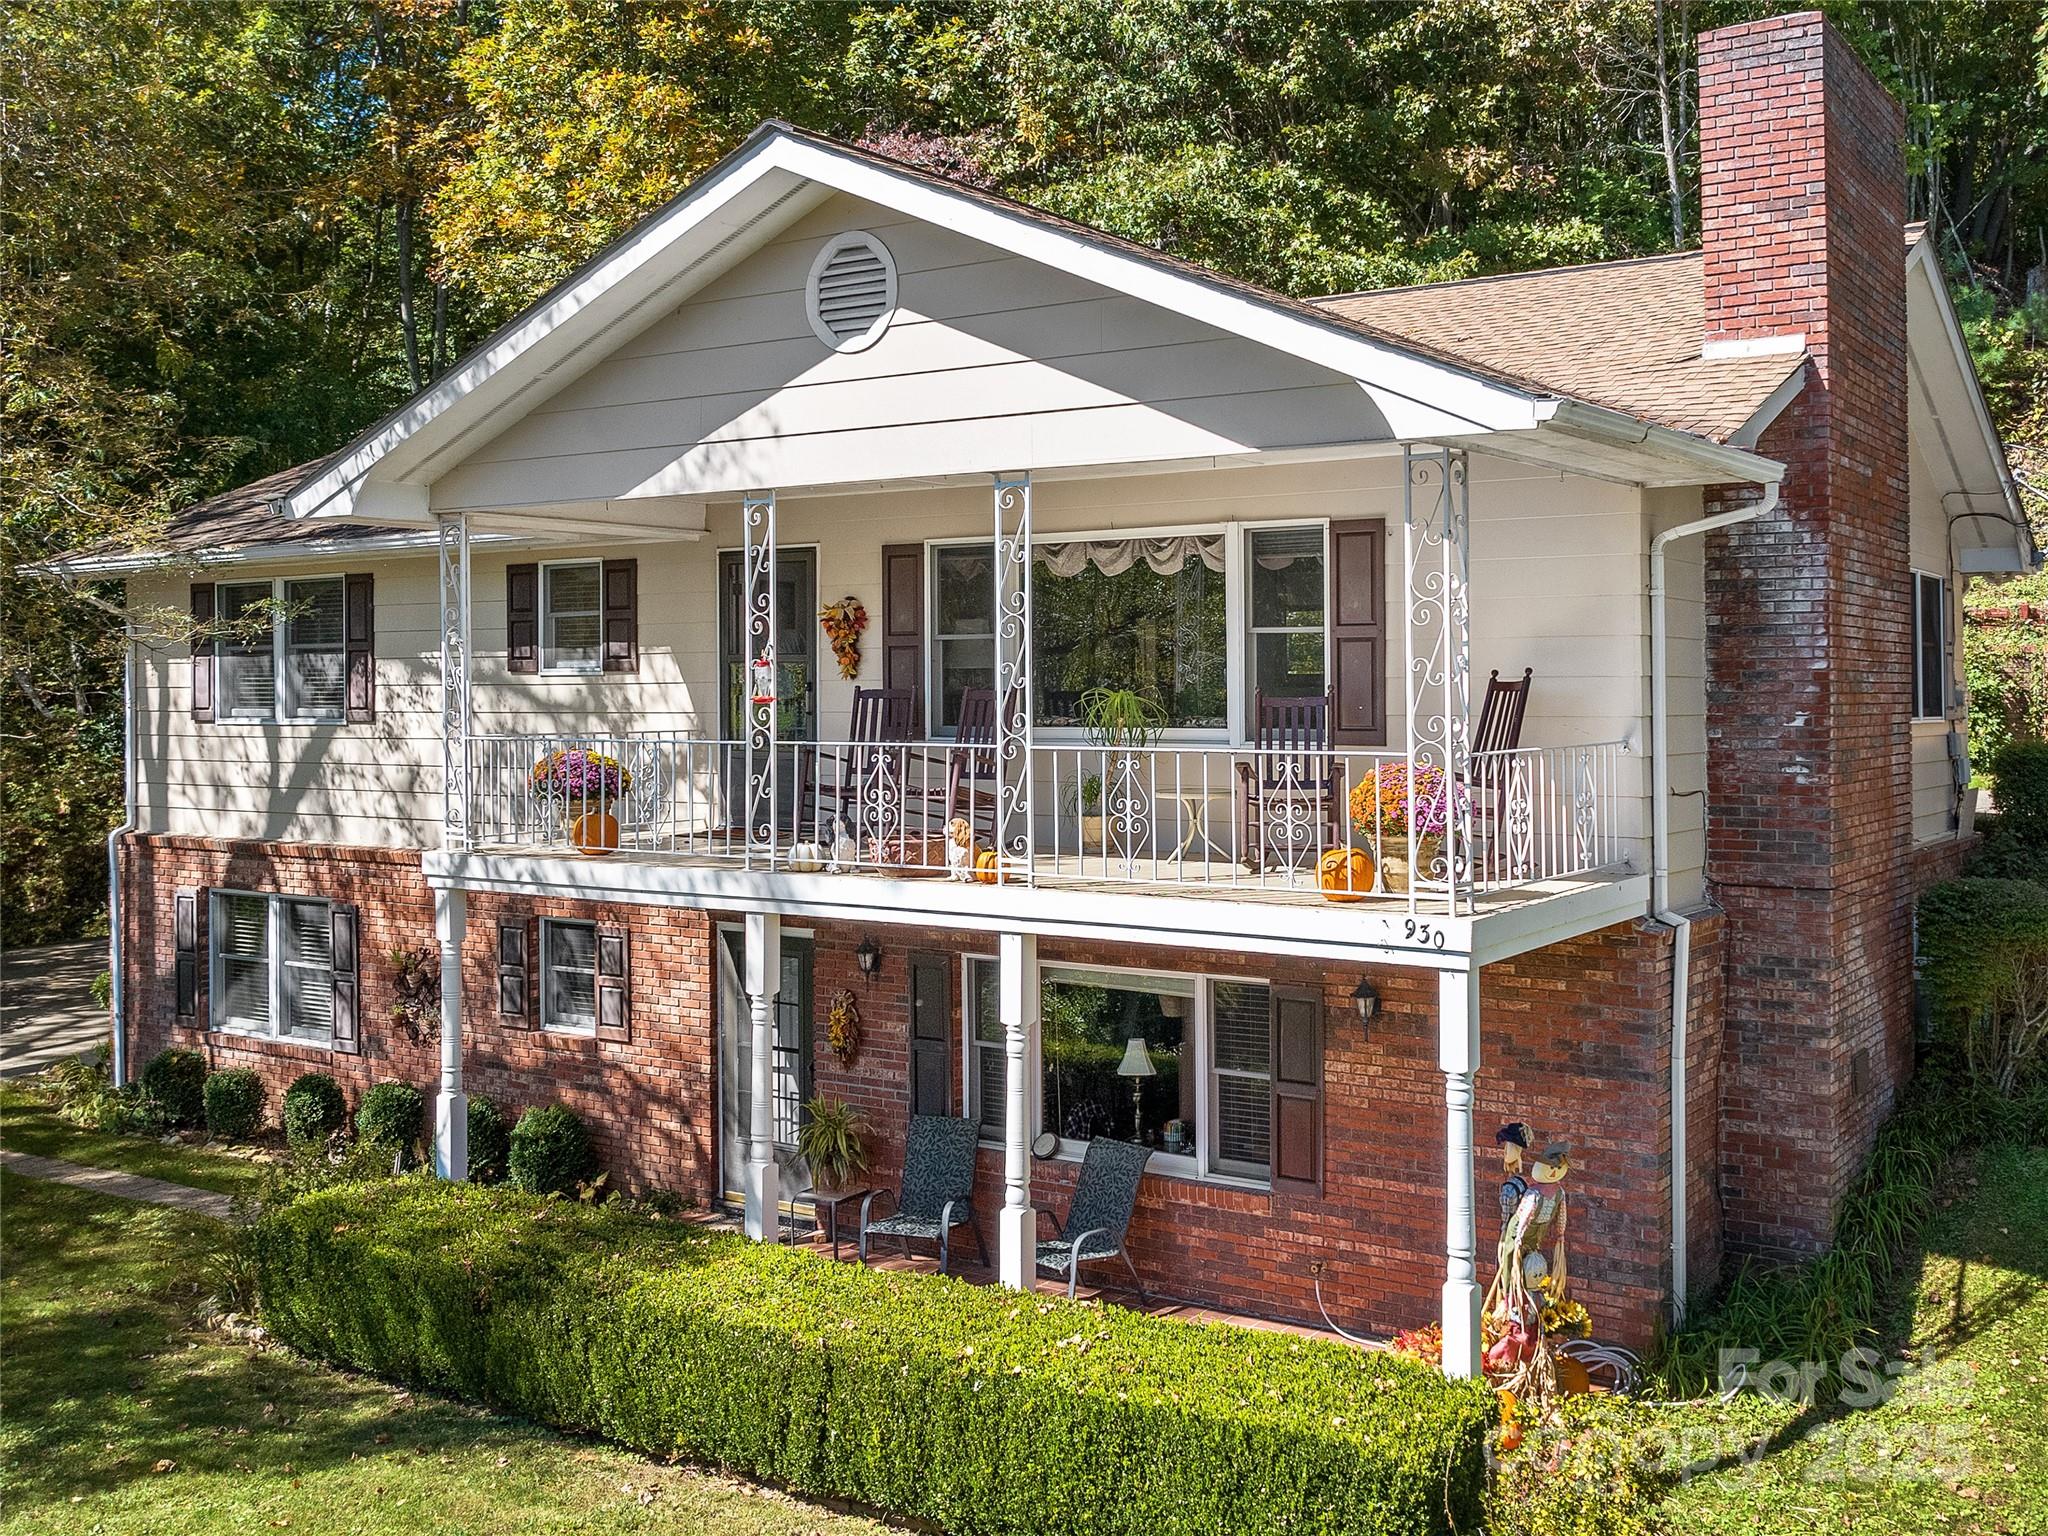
(1395, 873)
(1091, 834)
(595, 833)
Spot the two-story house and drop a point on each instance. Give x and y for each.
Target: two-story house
(1643, 574)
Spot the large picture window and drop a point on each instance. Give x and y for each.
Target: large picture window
(1179, 1063)
(273, 966)
(279, 650)
(1145, 614)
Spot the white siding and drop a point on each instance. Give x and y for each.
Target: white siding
(1685, 627)
(1557, 572)
(992, 363)
(1934, 802)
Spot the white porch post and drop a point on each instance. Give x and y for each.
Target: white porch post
(759, 628)
(764, 985)
(452, 540)
(1017, 1004)
(1435, 539)
(1014, 831)
(451, 1105)
(1458, 1056)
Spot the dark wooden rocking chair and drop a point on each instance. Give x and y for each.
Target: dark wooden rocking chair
(1498, 732)
(1292, 774)
(882, 718)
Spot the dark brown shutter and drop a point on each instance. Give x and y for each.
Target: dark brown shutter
(358, 639)
(620, 585)
(522, 618)
(1298, 1090)
(185, 936)
(514, 974)
(202, 650)
(1358, 632)
(931, 1035)
(347, 1017)
(903, 624)
(614, 1013)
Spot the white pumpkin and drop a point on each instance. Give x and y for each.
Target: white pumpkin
(804, 858)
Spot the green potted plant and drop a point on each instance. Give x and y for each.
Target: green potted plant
(833, 1142)
(1126, 722)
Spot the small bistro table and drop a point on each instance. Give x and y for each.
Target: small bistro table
(829, 1201)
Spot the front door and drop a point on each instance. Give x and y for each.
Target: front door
(790, 1073)
(796, 646)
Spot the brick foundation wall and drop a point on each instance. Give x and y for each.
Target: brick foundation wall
(649, 1101)
(1575, 1041)
(1809, 629)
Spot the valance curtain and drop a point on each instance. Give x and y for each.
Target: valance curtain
(1113, 557)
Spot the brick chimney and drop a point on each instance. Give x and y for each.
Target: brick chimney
(1809, 641)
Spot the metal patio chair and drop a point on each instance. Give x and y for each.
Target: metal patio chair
(937, 1194)
(1100, 1213)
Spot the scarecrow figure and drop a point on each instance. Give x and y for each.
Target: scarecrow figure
(1526, 1306)
(1513, 1140)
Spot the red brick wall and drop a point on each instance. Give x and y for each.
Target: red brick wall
(648, 1101)
(1575, 1042)
(1809, 824)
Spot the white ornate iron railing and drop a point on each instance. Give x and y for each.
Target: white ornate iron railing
(1166, 816)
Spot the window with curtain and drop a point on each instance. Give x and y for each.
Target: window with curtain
(1098, 1029)
(1146, 614)
(1286, 611)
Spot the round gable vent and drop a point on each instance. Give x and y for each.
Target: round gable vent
(852, 292)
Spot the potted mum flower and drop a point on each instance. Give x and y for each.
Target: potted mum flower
(1382, 806)
(584, 784)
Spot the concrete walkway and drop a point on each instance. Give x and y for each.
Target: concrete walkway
(47, 1010)
(127, 1186)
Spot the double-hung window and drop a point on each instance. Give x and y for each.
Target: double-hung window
(568, 969)
(273, 966)
(1286, 611)
(1930, 647)
(1181, 1064)
(571, 622)
(279, 649)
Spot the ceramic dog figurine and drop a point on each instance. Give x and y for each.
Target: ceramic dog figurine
(844, 852)
(960, 849)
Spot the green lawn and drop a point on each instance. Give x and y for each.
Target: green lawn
(1959, 1447)
(124, 1417)
(28, 1124)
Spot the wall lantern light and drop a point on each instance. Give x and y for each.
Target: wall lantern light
(869, 957)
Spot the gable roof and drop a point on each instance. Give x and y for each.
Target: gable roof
(1420, 389)
(1623, 334)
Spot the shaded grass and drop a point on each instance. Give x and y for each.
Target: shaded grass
(106, 1376)
(28, 1123)
(1958, 1446)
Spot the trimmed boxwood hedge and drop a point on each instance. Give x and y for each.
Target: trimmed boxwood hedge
(977, 1409)
(234, 1103)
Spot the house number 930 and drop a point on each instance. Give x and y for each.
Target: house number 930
(1426, 935)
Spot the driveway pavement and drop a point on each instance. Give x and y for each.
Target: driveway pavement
(47, 1010)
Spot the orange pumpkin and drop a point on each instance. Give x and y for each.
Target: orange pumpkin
(1345, 874)
(986, 866)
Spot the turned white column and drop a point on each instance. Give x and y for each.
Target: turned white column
(451, 1105)
(1458, 1056)
(764, 983)
(1017, 1005)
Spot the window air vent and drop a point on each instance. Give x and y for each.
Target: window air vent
(852, 291)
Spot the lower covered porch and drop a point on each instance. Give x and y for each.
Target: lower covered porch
(1309, 1118)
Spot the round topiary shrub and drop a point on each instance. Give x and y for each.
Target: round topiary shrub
(391, 1115)
(490, 1140)
(174, 1087)
(313, 1108)
(234, 1103)
(550, 1151)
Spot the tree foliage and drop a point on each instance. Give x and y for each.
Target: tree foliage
(235, 231)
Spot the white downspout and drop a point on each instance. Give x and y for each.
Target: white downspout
(1660, 858)
(117, 991)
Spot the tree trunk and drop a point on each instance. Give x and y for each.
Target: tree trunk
(1671, 145)
(408, 321)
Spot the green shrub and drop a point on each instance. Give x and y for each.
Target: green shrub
(391, 1115)
(973, 1409)
(234, 1103)
(174, 1086)
(2019, 774)
(550, 1152)
(1984, 964)
(313, 1108)
(490, 1139)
